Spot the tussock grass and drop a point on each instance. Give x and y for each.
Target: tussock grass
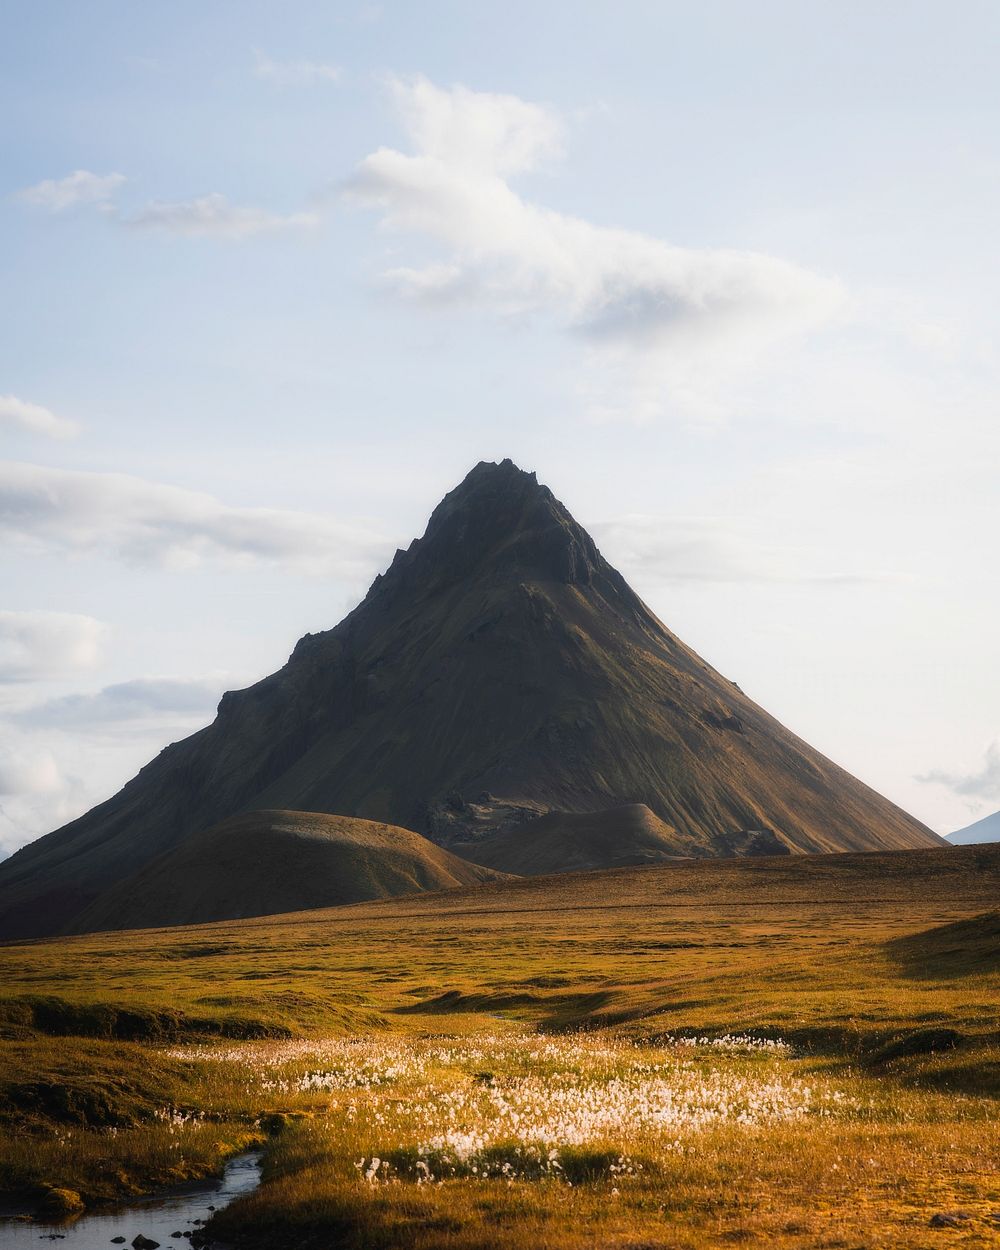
(108, 1120)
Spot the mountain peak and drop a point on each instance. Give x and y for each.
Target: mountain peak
(487, 470)
(500, 518)
(499, 489)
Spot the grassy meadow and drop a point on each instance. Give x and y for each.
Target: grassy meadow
(791, 1052)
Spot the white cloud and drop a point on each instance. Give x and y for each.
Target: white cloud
(41, 644)
(636, 302)
(34, 418)
(983, 784)
(295, 73)
(478, 132)
(157, 699)
(80, 187)
(213, 216)
(28, 772)
(37, 794)
(150, 523)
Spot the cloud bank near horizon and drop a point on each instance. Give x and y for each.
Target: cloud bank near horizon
(60, 756)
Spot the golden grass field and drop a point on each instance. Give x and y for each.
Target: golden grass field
(522, 1060)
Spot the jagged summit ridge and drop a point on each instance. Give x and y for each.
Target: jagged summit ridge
(498, 515)
(500, 522)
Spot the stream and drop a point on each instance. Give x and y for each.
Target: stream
(155, 1218)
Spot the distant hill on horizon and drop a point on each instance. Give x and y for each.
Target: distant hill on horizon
(985, 830)
(262, 863)
(500, 670)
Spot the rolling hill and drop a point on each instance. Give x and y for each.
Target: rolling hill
(260, 863)
(499, 670)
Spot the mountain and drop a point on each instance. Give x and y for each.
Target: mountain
(985, 830)
(259, 863)
(616, 838)
(500, 669)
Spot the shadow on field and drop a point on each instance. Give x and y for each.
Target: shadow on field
(52, 1016)
(961, 949)
(555, 1013)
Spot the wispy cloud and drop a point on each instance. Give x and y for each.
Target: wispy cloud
(38, 645)
(34, 418)
(297, 73)
(121, 705)
(205, 216)
(213, 216)
(79, 187)
(150, 523)
(984, 783)
(620, 292)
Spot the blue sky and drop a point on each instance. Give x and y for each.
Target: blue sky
(277, 275)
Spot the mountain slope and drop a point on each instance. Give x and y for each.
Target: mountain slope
(985, 830)
(500, 669)
(577, 841)
(261, 863)
(616, 838)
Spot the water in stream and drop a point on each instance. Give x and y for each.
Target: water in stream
(156, 1219)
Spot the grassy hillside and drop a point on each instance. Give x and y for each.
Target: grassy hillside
(875, 976)
(266, 862)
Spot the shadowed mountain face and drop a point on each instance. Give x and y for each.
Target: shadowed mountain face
(260, 863)
(500, 669)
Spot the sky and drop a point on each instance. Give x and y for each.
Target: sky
(276, 276)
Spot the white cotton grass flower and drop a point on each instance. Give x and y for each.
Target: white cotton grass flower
(740, 1043)
(510, 1105)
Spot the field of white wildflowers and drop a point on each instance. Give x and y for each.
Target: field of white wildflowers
(510, 1104)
